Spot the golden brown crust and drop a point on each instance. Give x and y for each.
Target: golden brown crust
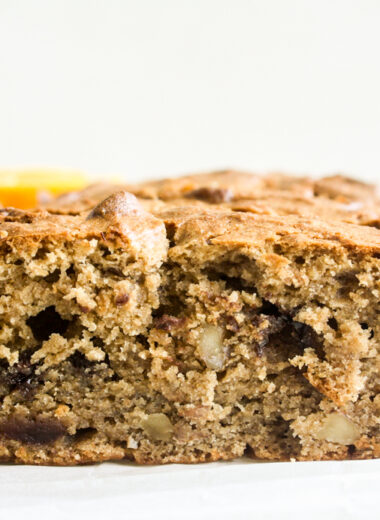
(332, 198)
(118, 217)
(248, 230)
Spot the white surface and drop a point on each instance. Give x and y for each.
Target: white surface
(153, 87)
(232, 490)
(157, 87)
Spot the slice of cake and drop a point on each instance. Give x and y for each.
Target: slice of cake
(77, 295)
(214, 316)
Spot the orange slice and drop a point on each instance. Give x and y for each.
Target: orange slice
(26, 189)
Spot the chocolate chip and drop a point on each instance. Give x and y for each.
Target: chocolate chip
(32, 431)
(212, 195)
(167, 323)
(273, 325)
(121, 299)
(232, 324)
(21, 376)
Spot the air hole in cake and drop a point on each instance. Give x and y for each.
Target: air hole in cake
(70, 271)
(170, 309)
(170, 233)
(348, 281)
(332, 323)
(97, 342)
(221, 375)
(53, 277)
(114, 271)
(269, 309)
(233, 283)
(80, 362)
(41, 253)
(84, 434)
(365, 326)
(140, 338)
(308, 338)
(105, 251)
(351, 448)
(46, 323)
(299, 260)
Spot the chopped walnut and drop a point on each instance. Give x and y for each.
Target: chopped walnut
(339, 429)
(211, 347)
(158, 427)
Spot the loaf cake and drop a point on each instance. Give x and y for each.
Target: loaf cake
(193, 319)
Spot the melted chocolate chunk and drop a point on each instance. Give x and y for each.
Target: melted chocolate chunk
(167, 323)
(20, 376)
(32, 431)
(274, 325)
(121, 299)
(212, 195)
(232, 324)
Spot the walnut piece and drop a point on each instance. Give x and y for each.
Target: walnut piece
(211, 347)
(158, 427)
(337, 428)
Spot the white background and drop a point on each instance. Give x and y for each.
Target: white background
(157, 87)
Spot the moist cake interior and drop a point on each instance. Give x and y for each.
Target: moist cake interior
(221, 334)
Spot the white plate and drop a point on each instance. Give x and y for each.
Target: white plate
(239, 489)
